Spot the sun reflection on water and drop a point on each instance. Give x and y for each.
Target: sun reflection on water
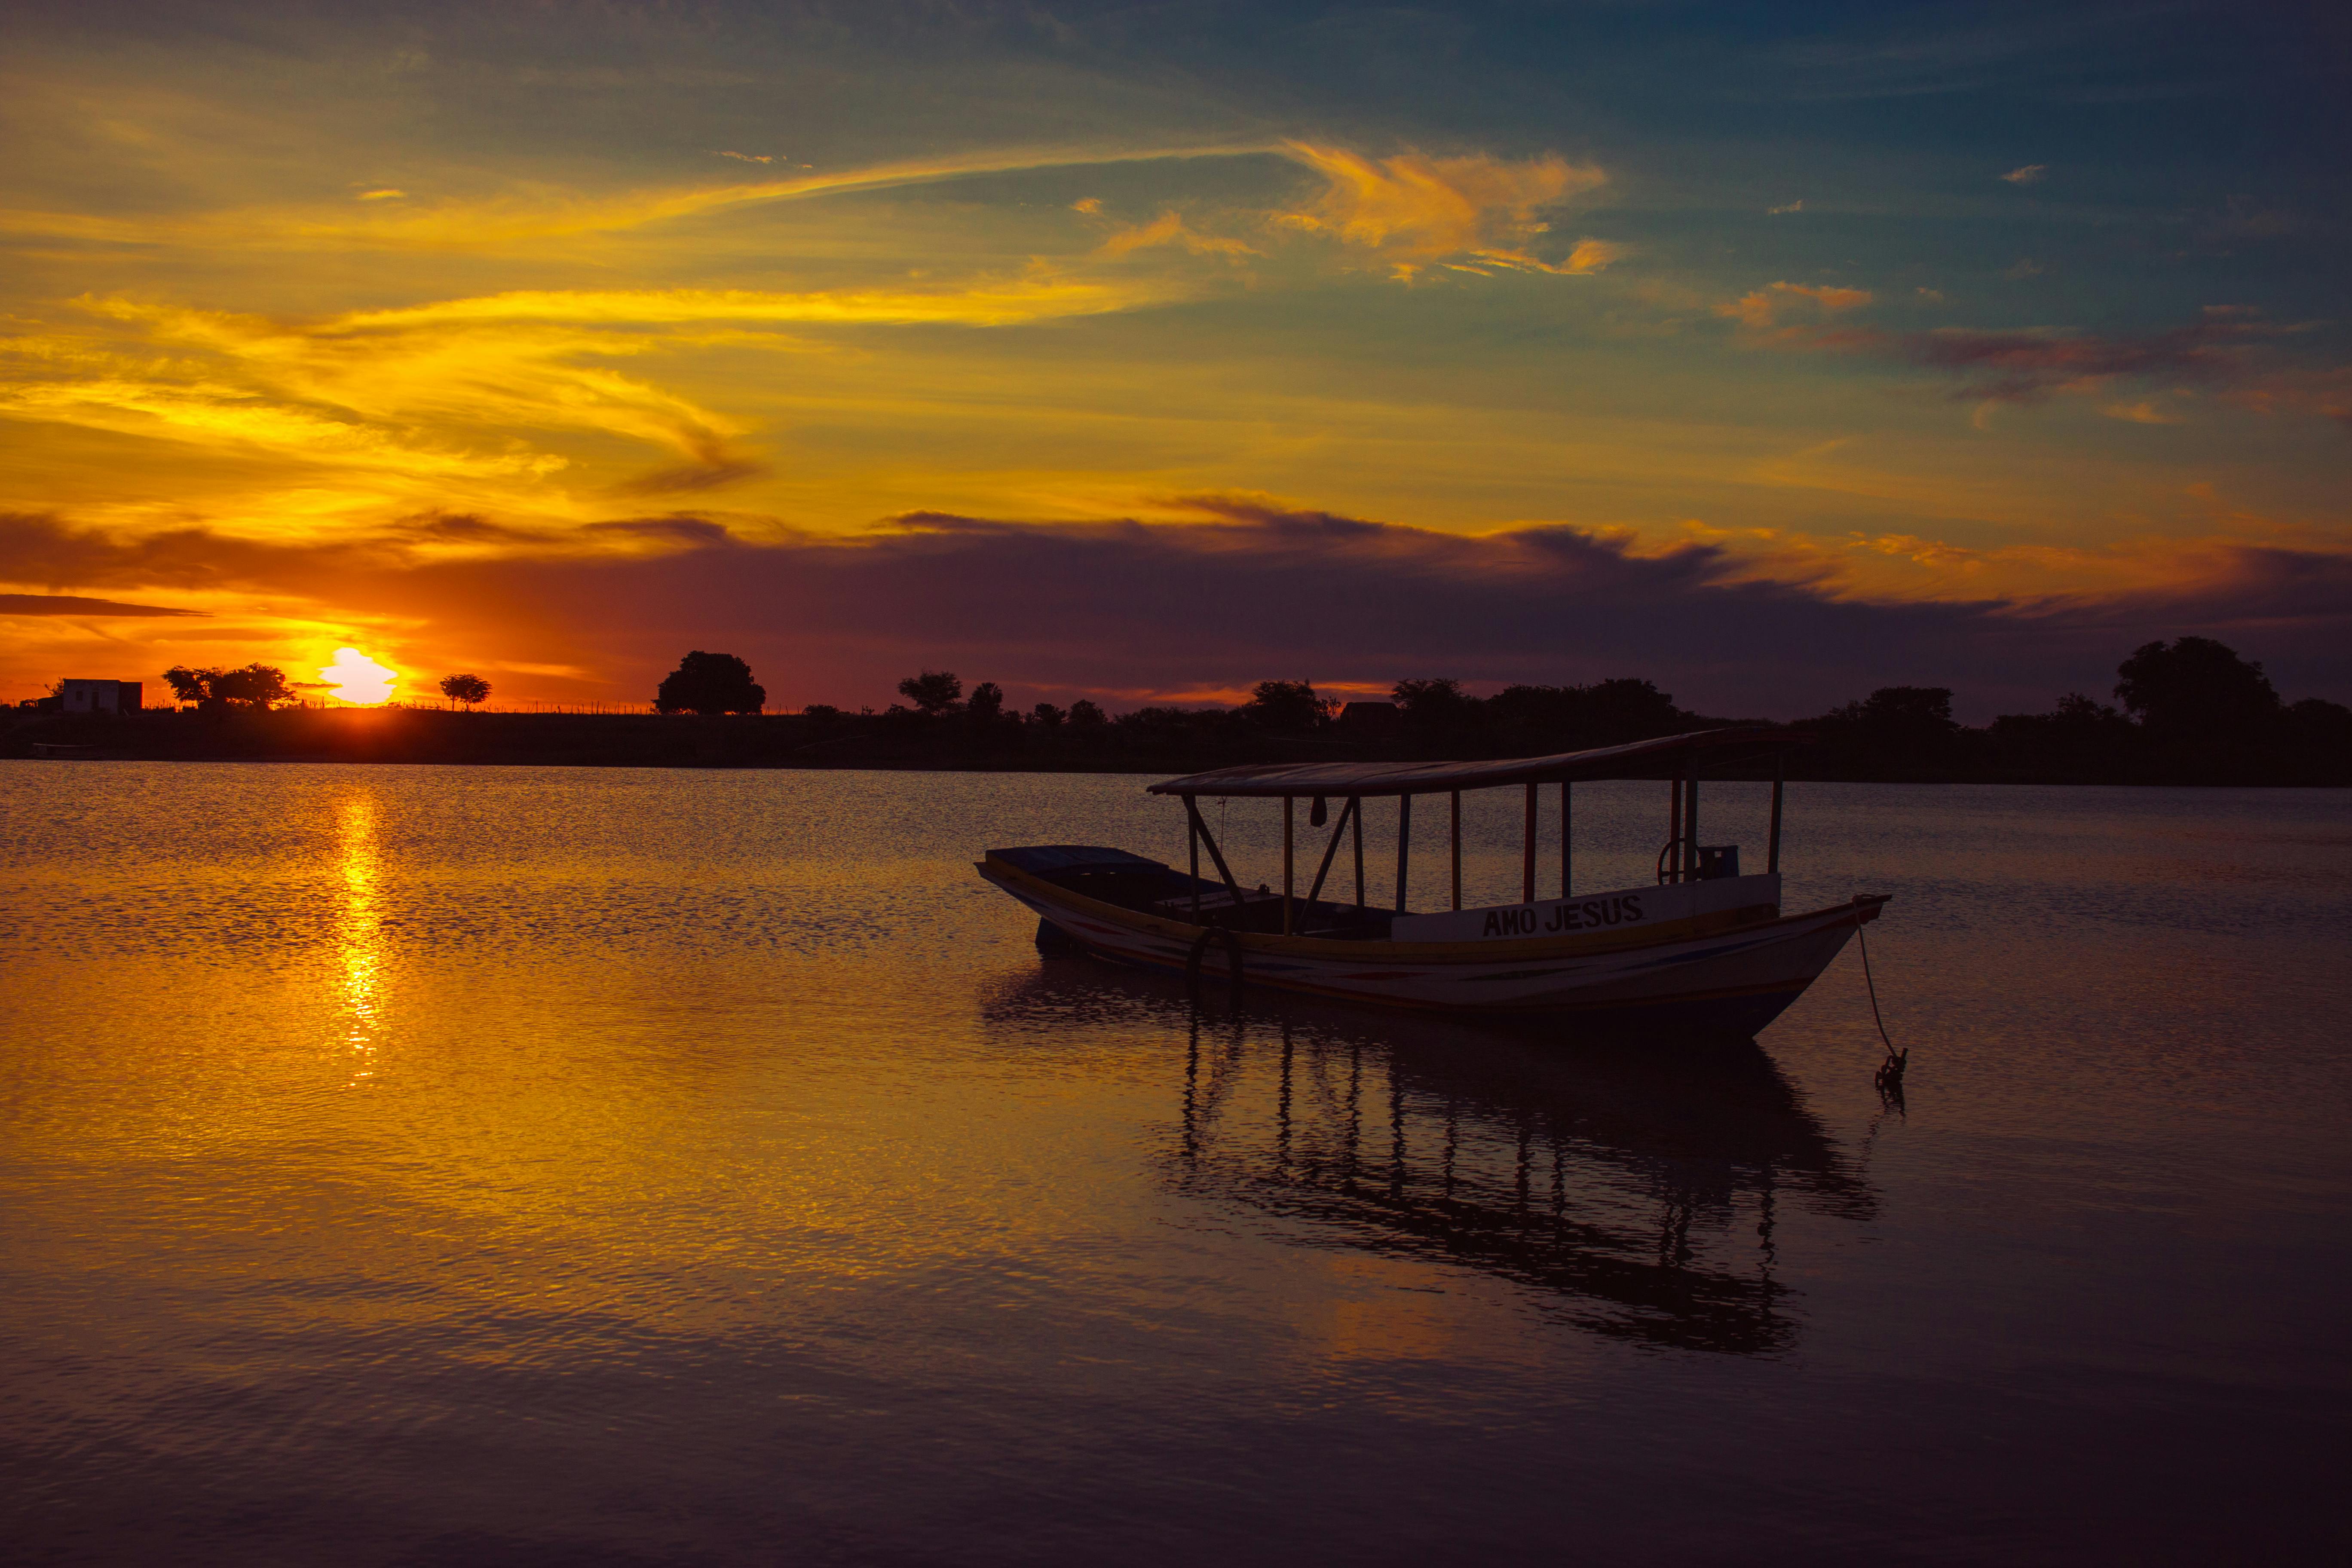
(359, 934)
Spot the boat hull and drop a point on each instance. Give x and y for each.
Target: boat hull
(1723, 975)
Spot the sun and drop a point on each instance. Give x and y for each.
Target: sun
(356, 678)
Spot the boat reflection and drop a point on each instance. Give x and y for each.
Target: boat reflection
(1637, 1188)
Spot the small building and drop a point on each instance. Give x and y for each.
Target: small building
(1369, 716)
(99, 696)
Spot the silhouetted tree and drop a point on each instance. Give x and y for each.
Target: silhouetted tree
(2195, 687)
(709, 683)
(933, 692)
(823, 712)
(2081, 739)
(1901, 711)
(2076, 709)
(468, 690)
(987, 702)
(1085, 718)
(2321, 734)
(1624, 710)
(1047, 716)
(1285, 707)
(2322, 725)
(1575, 718)
(1437, 700)
(261, 687)
(1895, 732)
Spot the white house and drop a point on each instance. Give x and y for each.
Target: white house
(100, 696)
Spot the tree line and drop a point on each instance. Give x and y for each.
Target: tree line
(258, 688)
(2188, 710)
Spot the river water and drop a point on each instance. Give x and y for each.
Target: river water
(501, 1166)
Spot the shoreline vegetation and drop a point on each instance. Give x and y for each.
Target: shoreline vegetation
(2193, 713)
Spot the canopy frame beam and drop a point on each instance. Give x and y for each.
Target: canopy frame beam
(1192, 811)
(1673, 755)
(1332, 850)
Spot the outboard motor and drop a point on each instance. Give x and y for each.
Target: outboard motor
(1716, 860)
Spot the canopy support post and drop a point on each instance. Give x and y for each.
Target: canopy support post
(1404, 845)
(1332, 850)
(1453, 825)
(1675, 828)
(1192, 852)
(1192, 810)
(1356, 811)
(1779, 782)
(1527, 853)
(1690, 823)
(1566, 820)
(1288, 801)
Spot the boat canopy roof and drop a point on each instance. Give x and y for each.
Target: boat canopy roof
(1640, 759)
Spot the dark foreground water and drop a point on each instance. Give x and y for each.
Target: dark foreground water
(417, 1165)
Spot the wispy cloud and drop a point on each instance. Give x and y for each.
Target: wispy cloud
(459, 402)
(72, 604)
(2023, 366)
(1043, 294)
(1169, 228)
(1592, 255)
(1772, 304)
(2243, 217)
(530, 215)
(1414, 209)
(2027, 174)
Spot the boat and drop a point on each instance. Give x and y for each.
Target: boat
(1705, 948)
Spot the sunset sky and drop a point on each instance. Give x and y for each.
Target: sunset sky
(1144, 352)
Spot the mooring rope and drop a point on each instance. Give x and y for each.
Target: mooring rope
(1890, 1071)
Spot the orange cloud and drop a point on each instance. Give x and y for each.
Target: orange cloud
(1765, 306)
(449, 403)
(1417, 209)
(529, 214)
(1169, 228)
(1040, 295)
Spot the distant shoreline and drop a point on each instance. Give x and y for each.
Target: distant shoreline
(906, 743)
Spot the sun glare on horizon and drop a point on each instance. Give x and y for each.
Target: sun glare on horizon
(358, 678)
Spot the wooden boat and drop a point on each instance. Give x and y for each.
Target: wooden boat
(1703, 948)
